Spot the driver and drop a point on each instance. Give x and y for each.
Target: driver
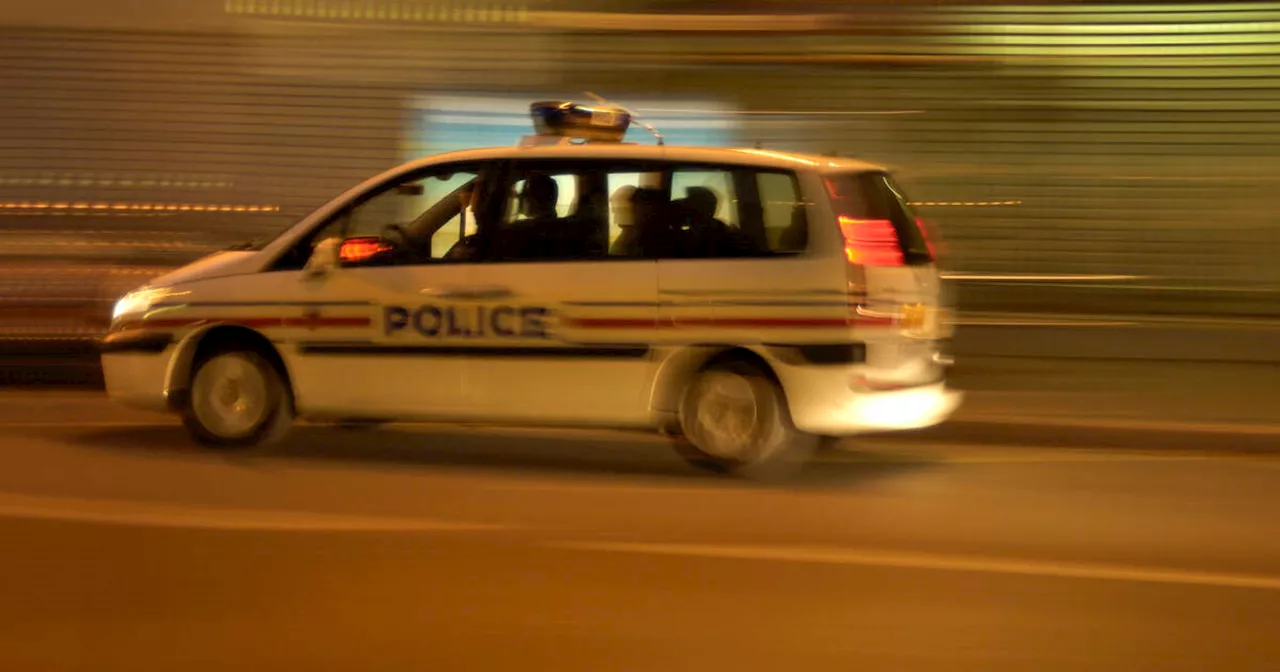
(468, 194)
(467, 245)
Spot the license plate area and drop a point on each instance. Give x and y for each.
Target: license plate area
(923, 321)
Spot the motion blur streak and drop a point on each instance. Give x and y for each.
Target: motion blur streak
(1058, 140)
(144, 207)
(118, 512)
(1104, 179)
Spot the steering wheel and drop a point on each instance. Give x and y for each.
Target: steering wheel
(464, 249)
(399, 238)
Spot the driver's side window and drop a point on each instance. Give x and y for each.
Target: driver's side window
(422, 218)
(413, 220)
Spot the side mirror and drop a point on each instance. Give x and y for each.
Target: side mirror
(325, 258)
(364, 248)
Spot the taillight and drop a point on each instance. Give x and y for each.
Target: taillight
(871, 242)
(361, 249)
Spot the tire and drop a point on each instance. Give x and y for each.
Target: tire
(734, 420)
(238, 399)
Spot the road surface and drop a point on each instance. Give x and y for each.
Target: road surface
(447, 548)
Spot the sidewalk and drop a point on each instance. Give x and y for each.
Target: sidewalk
(1142, 404)
(1118, 337)
(1132, 389)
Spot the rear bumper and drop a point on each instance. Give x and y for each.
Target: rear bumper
(890, 410)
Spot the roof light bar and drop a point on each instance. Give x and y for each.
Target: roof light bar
(593, 123)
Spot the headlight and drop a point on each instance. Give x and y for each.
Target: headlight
(135, 302)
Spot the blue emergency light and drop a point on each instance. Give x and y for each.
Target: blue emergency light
(595, 123)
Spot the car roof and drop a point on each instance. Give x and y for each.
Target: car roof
(760, 158)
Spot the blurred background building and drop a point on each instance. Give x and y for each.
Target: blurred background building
(1080, 158)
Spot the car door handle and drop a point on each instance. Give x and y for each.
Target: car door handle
(476, 293)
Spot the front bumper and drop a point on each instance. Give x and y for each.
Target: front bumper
(135, 367)
(142, 342)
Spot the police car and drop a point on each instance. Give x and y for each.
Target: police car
(749, 303)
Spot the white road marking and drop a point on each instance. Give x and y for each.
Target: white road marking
(164, 514)
(949, 563)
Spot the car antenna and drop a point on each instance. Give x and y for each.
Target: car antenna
(634, 118)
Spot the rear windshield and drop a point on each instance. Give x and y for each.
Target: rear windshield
(874, 195)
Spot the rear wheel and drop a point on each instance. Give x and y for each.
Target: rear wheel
(734, 420)
(238, 399)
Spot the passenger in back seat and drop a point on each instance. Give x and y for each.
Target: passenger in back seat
(654, 231)
(585, 234)
(621, 203)
(702, 202)
(701, 234)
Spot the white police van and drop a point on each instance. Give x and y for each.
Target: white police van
(749, 303)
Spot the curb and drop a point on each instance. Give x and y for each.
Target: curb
(1100, 433)
(68, 361)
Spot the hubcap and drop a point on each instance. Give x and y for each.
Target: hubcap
(229, 395)
(727, 415)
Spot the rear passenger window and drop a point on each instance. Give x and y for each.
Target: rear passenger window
(571, 210)
(622, 189)
(734, 212)
(584, 210)
(687, 184)
(783, 212)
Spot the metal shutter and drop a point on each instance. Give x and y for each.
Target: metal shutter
(1069, 139)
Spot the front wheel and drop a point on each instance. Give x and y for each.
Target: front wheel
(237, 399)
(734, 419)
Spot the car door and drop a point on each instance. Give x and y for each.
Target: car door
(399, 351)
(576, 320)
(759, 288)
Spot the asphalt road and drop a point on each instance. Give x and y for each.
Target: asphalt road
(443, 548)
